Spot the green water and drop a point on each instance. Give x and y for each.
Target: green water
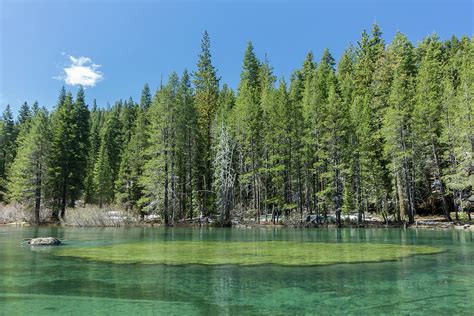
(38, 282)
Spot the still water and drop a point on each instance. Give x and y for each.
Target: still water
(36, 282)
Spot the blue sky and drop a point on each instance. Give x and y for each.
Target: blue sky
(117, 46)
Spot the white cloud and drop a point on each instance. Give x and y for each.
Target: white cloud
(81, 71)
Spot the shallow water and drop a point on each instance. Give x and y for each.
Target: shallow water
(36, 282)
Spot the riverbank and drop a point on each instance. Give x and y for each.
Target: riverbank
(115, 217)
(422, 223)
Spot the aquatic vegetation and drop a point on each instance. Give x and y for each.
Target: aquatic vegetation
(245, 253)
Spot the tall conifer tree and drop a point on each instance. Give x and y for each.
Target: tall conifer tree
(206, 85)
(28, 176)
(7, 148)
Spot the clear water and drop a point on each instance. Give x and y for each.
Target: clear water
(35, 282)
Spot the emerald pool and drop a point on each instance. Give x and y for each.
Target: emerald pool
(185, 271)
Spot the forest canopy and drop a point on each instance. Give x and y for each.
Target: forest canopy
(388, 129)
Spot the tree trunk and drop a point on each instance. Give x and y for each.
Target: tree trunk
(401, 200)
(315, 198)
(38, 194)
(407, 182)
(166, 184)
(439, 178)
(360, 210)
(173, 185)
(190, 177)
(165, 209)
(300, 190)
(337, 196)
(457, 205)
(64, 197)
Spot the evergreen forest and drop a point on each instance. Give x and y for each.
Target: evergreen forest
(387, 129)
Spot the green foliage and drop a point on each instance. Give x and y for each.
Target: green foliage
(224, 175)
(389, 130)
(128, 188)
(370, 83)
(206, 96)
(462, 216)
(186, 147)
(69, 149)
(24, 115)
(427, 120)
(112, 139)
(158, 178)
(80, 120)
(93, 152)
(248, 120)
(145, 100)
(62, 154)
(457, 132)
(103, 177)
(28, 173)
(7, 148)
(397, 124)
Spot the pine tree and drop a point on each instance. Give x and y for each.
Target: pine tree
(382, 78)
(80, 120)
(93, 151)
(128, 189)
(61, 162)
(126, 177)
(274, 104)
(369, 167)
(280, 159)
(296, 132)
(28, 175)
(127, 118)
(267, 97)
(427, 121)
(103, 178)
(24, 115)
(397, 129)
(158, 178)
(335, 139)
(345, 73)
(224, 176)
(145, 100)
(186, 147)
(309, 123)
(69, 149)
(206, 85)
(458, 125)
(35, 108)
(7, 148)
(315, 109)
(226, 104)
(112, 139)
(248, 116)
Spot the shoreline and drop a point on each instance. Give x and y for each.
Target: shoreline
(419, 224)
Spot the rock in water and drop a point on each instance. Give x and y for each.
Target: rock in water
(44, 241)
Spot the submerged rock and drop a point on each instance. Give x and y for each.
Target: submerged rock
(44, 241)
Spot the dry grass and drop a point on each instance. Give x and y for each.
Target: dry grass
(17, 213)
(89, 216)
